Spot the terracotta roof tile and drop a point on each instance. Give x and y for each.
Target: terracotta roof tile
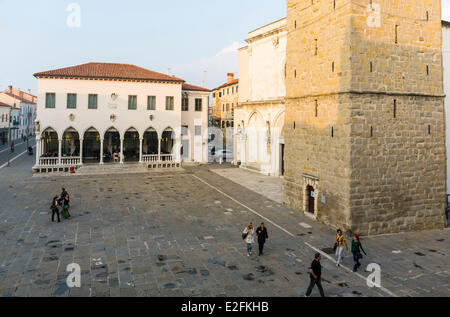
(4, 105)
(109, 71)
(194, 88)
(236, 81)
(18, 98)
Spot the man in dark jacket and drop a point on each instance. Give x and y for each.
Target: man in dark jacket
(315, 273)
(261, 232)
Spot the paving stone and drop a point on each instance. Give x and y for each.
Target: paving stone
(175, 239)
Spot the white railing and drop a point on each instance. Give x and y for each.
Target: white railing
(166, 158)
(48, 161)
(150, 158)
(71, 161)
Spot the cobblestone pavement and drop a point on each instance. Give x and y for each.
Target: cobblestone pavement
(178, 233)
(270, 187)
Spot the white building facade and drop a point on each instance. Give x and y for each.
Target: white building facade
(101, 113)
(23, 111)
(259, 118)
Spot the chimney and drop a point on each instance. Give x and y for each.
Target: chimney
(230, 77)
(10, 89)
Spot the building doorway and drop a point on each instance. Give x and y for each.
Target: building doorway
(167, 144)
(131, 146)
(111, 145)
(71, 143)
(91, 146)
(311, 199)
(150, 144)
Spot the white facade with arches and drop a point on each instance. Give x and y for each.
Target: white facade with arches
(259, 118)
(117, 119)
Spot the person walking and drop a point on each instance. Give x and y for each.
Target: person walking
(12, 147)
(249, 236)
(63, 193)
(356, 250)
(54, 208)
(66, 206)
(315, 274)
(340, 243)
(261, 232)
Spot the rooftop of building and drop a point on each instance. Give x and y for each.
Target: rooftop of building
(231, 83)
(194, 88)
(109, 71)
(18, 97)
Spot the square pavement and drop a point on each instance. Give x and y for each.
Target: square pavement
(178, 233)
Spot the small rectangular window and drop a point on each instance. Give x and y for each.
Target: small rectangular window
(198, 104)
(396, 34)
(184, 130)
(92, 102)
(395, 108)
(151, 103)
(71, 101)
(198, 130)
(50, 100)
(169, 103)
(132, 102)
(185, 104)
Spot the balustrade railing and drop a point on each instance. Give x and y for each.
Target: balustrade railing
(166, 158)
(48, 161)
(150, 158)
(157, 158)
(70, 160)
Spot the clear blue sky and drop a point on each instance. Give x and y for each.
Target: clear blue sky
(188, 36)
(185, 36)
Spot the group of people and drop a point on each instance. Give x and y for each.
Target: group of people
(248, 235)
(315, 271)
(63, 202)
(340, 243)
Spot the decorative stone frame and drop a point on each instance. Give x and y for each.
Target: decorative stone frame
(312, 181)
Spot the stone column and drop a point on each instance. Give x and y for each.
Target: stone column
(59, 150)
(176, 150)
(159, 149)
(38, 150)
(121, 151)
(101, 151)
(140, 150)
(81, 151)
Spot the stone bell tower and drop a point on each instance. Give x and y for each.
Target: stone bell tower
(365, 125)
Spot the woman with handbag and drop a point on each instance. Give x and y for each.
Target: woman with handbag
(249, 236)
(340, 243)
(356, 250)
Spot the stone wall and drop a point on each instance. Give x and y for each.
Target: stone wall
(365, 114)
(319, 147)
(398, 180)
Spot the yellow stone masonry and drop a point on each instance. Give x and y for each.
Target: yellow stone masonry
(365, 126)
